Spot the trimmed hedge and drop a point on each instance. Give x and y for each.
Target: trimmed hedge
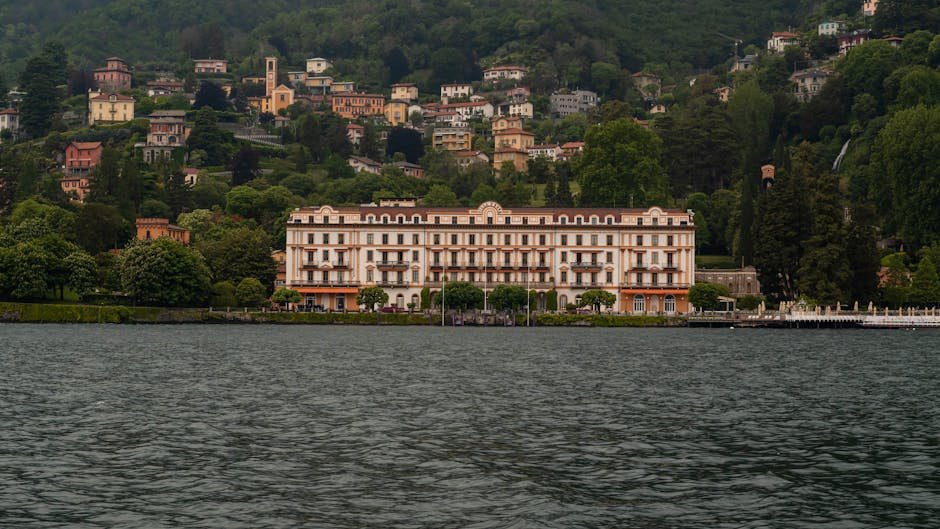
(604, 320)
(53, 313)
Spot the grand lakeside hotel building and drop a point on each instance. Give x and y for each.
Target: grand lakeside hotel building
(646, 257)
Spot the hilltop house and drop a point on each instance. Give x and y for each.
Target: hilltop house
(576, 102)
(506, 122)
(853, 39)
(363, 164)
(808, 83)
(550, 152)
(869, 8)
(167, 136)
(9, 120)
(80, 159)
(744, 64)
(648, 84)
(210, 66)
(109, 108)
(154, 228)
(452, 138)
(318, 65)
(469, 109)
(396, 112)
(410, 169)
(357, 105)
(164, 87)
(354, 132)
(779, 40)
(519, 158)
(455, 91)
(523, 109)
(405, 92)
(514, 139)
(470, 158)
(114, 77)
(831, 27)
(502, 73)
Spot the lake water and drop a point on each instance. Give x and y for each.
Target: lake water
(263, 426)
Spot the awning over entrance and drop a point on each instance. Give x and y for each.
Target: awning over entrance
(327, 290)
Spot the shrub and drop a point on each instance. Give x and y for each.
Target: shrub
(250, 292)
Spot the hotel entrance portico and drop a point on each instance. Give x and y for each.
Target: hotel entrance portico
(330, 298)
(654, 301)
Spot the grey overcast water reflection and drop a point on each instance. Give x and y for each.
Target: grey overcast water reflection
(259, 426)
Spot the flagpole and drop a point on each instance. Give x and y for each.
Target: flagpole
(443, 287)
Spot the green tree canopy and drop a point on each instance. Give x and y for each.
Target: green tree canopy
(163, 272)
(250, 292)
(372, 296)
(705, 296)
(620, 166)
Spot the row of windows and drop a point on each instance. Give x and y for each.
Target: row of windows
(416, 219)
(508, 257)
(578, 278)
(577, 240)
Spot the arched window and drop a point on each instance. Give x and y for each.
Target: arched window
(384, 219)
(670, 304)
(401, 219)
(562, 302)
(400, 301)
(593, 219)
(610, 220)
(639, 303)
(414, 301)
(370, 219)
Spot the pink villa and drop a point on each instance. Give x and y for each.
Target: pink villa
(80, 159)
(114, 77)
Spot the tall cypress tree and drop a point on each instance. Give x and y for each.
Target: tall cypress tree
(824, 268)
(782, 227)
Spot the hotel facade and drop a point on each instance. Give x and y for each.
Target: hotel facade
(646, 257)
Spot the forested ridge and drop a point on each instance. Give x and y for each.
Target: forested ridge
(361, 33)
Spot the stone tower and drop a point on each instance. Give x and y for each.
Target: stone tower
(270, 78)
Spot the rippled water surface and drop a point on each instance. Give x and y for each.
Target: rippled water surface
(258, 426)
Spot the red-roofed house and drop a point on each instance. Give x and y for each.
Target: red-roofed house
(779, 40)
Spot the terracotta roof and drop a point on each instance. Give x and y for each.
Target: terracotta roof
(86, 145)
(354, 126)
(456, 84)
(465, 104)
(467, 154)
(784, 34)
(8, 111)
(425, 211)
(403, 84)
(572, 145)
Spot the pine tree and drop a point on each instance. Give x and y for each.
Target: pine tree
(40, 81)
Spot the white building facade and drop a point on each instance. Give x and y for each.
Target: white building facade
(645, 257)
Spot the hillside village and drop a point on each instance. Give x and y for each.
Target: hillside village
(248, 138)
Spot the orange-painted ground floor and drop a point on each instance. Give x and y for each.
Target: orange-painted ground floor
(631, 301)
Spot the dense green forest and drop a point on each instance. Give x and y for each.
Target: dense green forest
(364, 35)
